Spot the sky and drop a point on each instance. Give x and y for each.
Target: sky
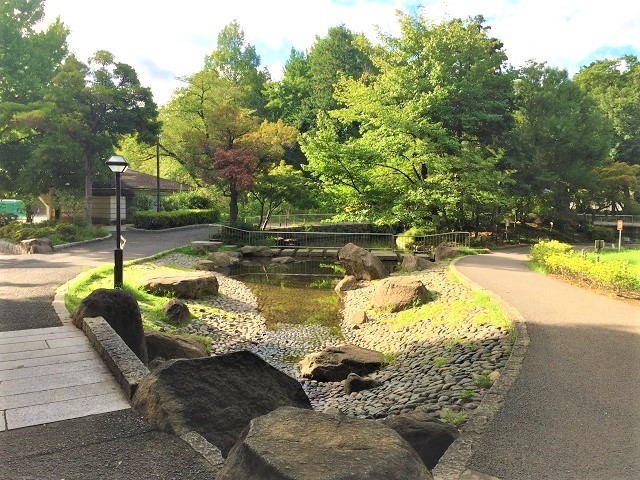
(167, 39)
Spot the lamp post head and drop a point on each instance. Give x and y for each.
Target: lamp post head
(117, 164)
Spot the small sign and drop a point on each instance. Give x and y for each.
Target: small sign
(122, 241)
(620, 224)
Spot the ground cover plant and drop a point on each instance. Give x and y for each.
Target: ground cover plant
(57, 232)
(617, 272)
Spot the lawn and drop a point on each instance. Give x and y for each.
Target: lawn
(632, 257)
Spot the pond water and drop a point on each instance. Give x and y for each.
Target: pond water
(300, 293)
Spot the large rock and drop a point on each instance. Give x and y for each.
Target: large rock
(120, 309)
(355, 383)
(283, 260)
(349, 282)
(397, 293)
(205, 245)
(177, 311)
(444, 250)
(36, 245)
(411, 263)
(168, 347)
(335, 363)
(255, 251)
(184, 285)
(215, 396)
(223, 259)
(428, 436)
(361, 264)
(291, 443)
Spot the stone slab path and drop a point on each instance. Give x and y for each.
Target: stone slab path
(52, 374)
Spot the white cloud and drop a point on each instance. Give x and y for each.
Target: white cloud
(166, 39)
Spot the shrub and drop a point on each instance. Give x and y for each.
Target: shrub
(177, 218)
(7, 218)
(559, 258)
(142, 202)
(57, 232)
(406, 240)
(187, 200)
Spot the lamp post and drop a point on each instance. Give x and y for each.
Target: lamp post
(158, 173)
(117, 164)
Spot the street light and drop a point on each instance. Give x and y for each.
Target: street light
(117, 164)
(158, 173)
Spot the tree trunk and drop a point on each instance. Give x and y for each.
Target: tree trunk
(88, 187)
(233, 205)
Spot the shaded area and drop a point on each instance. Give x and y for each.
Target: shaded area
(116, 445)
(573, 411)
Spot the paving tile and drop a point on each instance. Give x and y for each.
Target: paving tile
(3, 425)
(67, 342)
(109, 385)
(48, 360)
(50, 352)
(24, 346)
(54, 412)
(60, 380)
(36, 331)
(40, 336)
(95, 363)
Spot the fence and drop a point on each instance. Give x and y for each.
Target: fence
(369, 241)
(290, 220)
(611, 219)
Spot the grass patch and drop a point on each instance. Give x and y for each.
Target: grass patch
(482, 381)
(441, 362)
(467, 394)
(452, 418)
(389, 358)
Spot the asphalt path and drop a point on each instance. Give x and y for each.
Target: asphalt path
(574, 411)
(28, 282)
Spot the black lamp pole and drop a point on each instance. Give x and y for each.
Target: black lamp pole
(117, 270)
(158, 174)
(117, 165)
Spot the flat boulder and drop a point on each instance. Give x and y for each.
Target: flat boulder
(427, 435)
(168, 347)
(223, 259)
(411, 263)
(361, 264)
(445, 250)
(334, 364)
(291, 443)
(215, 396)
(283, 260)
(177, 311)
(359, 317)
(183, 285)
(398, 293)
(256, 251)
(356, 383)
(205, 245)
(36, 245)
(121, 311)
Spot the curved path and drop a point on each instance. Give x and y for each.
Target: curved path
(574, 411)
(28, 282)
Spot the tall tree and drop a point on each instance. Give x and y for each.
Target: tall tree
(237, 60)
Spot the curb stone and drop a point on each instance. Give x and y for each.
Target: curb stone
(453, 465)
(173, 229)
(73, 244)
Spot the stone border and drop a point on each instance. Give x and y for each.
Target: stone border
(453, 465)
(125, 366)
(73, 244)
(185, 227)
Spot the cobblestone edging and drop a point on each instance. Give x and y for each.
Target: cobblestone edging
(453, 465)
(73, 244)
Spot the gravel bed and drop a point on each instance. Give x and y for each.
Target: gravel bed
(434, 365)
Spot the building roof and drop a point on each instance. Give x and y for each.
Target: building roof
(134, 180)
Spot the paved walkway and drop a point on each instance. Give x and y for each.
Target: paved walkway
(574, 411)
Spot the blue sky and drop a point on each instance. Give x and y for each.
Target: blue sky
(165, 39)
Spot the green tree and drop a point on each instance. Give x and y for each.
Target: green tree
(237, 61)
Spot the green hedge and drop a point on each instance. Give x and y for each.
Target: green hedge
(57, 232)
(559, 258)
(177, 218)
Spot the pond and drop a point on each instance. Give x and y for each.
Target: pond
(300, 293)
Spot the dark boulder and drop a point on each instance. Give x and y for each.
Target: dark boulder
(215, 396)
(168, 347)
(445, 250)
(355, 383)
(427, 435)
(120, 309)
(291, 443)
(177, 311)
(411, 263)
(334, 364)
(36, 245)
(361, 264)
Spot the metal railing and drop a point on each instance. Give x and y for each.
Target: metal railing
(611, 219)
(290, 220)
(369, 241)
